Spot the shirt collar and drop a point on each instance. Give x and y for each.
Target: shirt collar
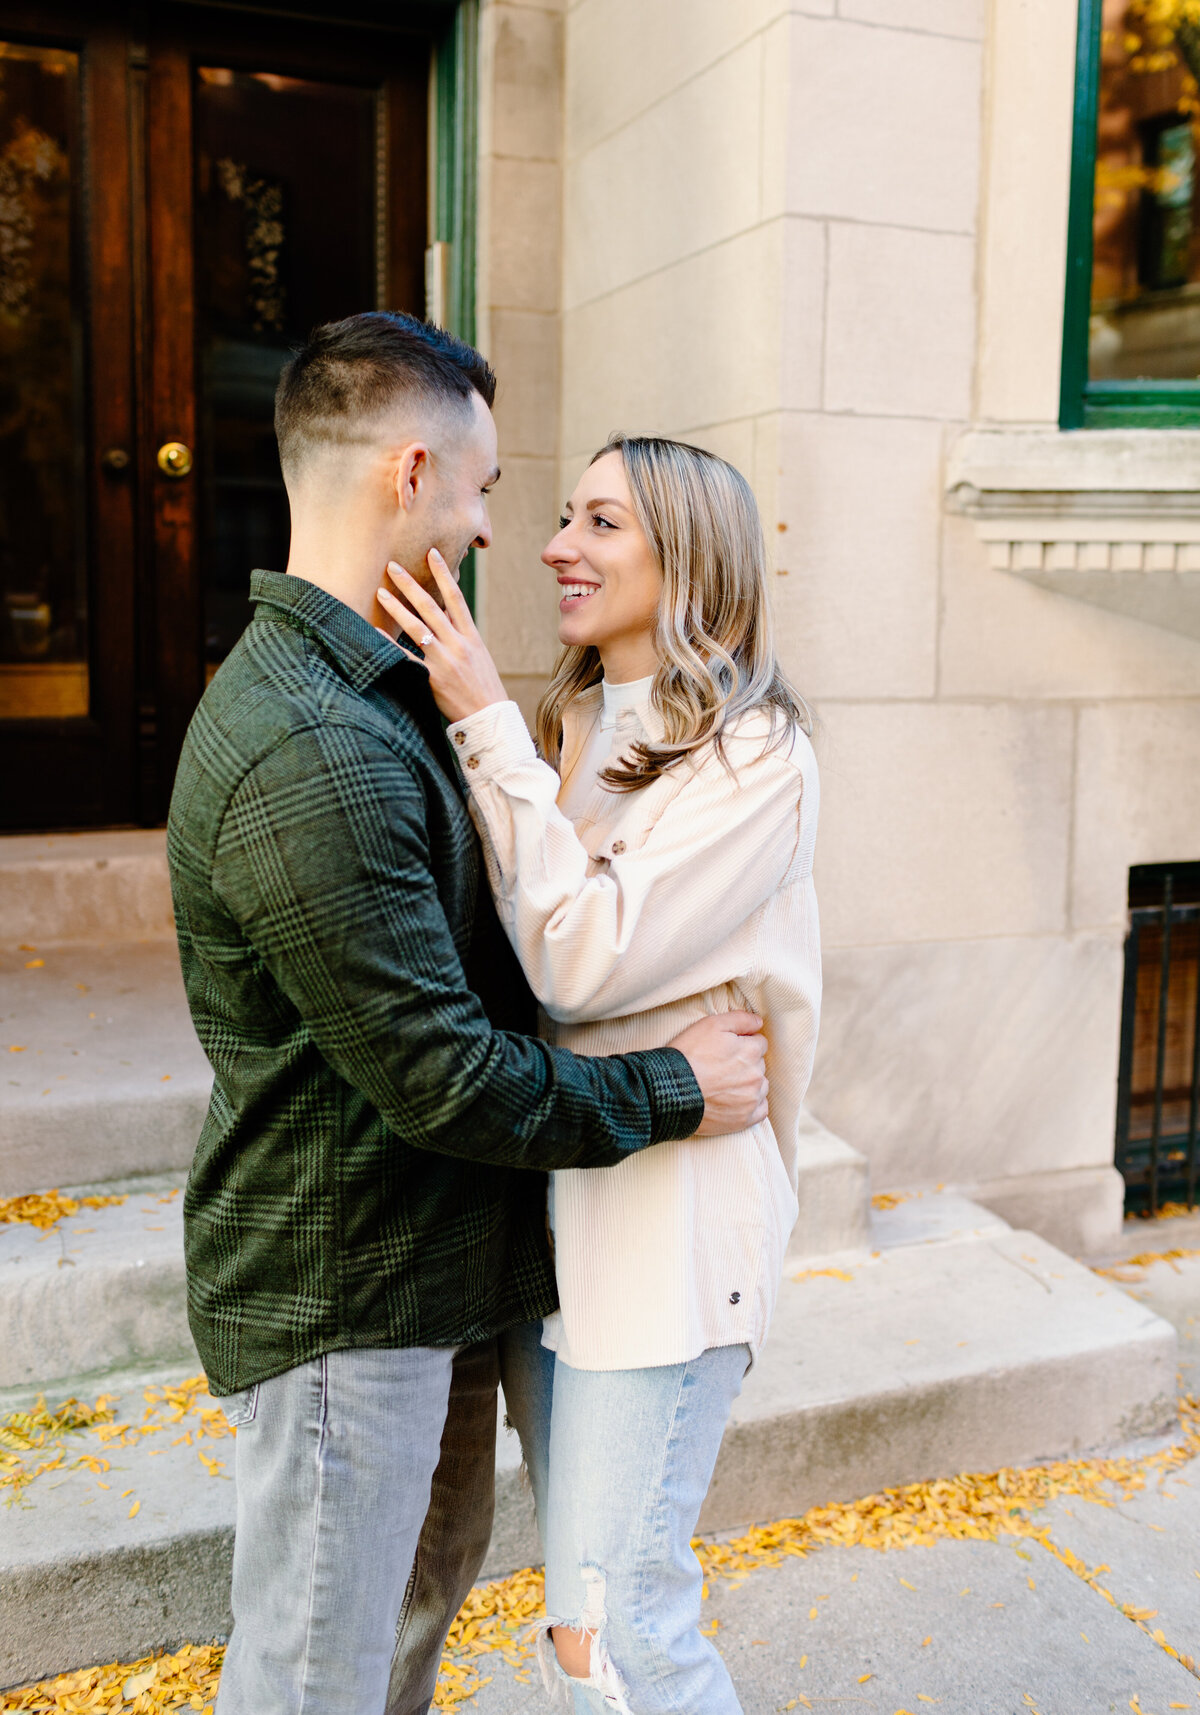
(618, 699)
(359, 652)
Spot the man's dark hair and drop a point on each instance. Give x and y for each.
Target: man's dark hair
(351, 371)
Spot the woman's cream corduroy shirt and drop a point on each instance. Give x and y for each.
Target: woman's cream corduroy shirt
(640, 915)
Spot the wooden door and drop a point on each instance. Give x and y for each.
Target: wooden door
(235, 181)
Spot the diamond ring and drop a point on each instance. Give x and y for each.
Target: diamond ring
(427, 640)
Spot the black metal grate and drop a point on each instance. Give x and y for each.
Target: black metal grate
(1158, 1085)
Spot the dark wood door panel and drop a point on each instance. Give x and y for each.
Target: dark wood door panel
(164, 558)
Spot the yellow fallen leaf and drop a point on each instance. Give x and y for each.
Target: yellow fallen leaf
(137, 1683)
(812, 1613)
(1031, 1583)
(16, 1048)
(907, 1585)
(921, 1698)
(134, 1509)
(1085, 1637)
(34, 964)
(863, 1678)
(925, 1642)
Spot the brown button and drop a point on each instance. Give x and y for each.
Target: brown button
(460, 738)
(618, 847)
(472, 762)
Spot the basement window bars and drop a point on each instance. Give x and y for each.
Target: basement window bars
(1158, 1083)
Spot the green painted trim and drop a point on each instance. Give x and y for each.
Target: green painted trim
(456, 81)
(1078, 303)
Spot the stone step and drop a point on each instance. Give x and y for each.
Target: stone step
(952, 1343)
(99, 1294)
(103, 1292)
(57, 888)
(103, 1075)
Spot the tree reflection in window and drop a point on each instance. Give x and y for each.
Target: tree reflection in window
(1145, 321)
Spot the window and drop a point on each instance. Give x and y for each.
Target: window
(1131, 337)
(1158, 1083)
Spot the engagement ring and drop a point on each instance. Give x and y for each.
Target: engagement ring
(427, 640)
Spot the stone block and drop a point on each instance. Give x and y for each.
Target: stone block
(1080, 1210)
(110, 1080)
(524, 226)
(681, 176)
(857, 613)
(1002, 636)
(963, 18)
(900, 322)
(622, 56)
(524, 350)
(58, 888)
(964, 1356)
(520, 597)
(666, 352)
(834, 1195)
(904, 151)
(942, 821)
(525, 61)
(974, 1062)
(1137, 800)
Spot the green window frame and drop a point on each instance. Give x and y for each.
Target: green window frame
(1087, 404)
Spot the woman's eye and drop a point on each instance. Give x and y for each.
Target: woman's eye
(599, 518)
(563, 522)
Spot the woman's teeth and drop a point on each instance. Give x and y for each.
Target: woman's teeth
(575, 592)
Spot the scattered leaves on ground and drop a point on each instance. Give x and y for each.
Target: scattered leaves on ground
(46, 1209)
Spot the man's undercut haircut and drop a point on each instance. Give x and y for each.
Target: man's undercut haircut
(350, 373)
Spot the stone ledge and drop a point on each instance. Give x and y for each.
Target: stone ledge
(1110, 517)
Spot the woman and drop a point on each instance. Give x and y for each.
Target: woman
(654, 865)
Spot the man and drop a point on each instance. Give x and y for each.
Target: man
(366, 1210)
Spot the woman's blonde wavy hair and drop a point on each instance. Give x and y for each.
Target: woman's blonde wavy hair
(713, 636)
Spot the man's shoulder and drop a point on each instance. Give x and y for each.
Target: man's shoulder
(275, 692)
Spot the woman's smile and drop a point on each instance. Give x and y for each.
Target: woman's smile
(575, 592)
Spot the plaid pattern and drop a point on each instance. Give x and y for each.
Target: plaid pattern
(370, 1172)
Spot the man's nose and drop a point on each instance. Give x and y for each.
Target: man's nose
(484, 538)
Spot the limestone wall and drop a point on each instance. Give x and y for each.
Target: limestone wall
(776, 232)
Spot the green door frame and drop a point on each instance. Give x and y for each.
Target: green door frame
(456, 178)
(1086, 404)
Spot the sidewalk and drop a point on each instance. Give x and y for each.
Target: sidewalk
(1078, 1607)
(1006, 1627)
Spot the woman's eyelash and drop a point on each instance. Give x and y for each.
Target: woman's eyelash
(563, 521)
(599, 518)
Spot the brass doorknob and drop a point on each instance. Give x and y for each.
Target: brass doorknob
(174, 458)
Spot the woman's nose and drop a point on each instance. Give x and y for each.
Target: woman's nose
(559, 550)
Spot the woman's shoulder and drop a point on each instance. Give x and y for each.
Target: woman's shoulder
(770, 739)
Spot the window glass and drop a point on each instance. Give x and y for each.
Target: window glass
(288, 203)
(1145, 308)
(43, 586)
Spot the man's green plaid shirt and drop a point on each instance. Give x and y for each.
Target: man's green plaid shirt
(371, 1170)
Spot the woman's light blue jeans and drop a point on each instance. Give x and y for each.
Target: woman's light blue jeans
(620, 1462)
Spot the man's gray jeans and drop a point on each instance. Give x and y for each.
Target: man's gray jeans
(365, 1488)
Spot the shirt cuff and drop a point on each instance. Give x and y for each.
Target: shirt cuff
(676, 1102)
(489, 741)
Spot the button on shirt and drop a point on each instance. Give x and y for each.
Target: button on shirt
(634, 914)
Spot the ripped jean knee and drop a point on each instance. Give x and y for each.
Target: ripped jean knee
(603, 1675)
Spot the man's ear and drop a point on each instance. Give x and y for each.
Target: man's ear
(411, 474)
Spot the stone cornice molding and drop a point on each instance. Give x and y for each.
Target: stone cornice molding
(1108, 516)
